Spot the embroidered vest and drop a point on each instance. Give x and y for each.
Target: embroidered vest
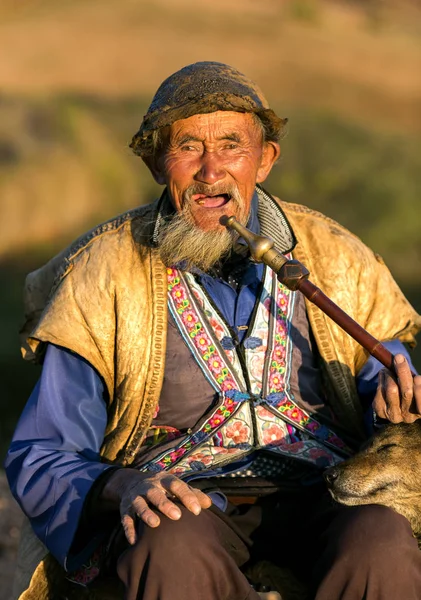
(256, 408)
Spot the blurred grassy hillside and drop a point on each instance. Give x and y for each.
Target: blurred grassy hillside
(76, 78)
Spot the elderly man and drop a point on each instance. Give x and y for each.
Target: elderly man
(179, 374)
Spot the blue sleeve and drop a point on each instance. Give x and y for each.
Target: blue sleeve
(368, 376)
(54, 456)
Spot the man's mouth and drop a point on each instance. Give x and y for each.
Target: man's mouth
(211, 201)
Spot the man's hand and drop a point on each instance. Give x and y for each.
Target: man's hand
(134, 492)
(398, 398)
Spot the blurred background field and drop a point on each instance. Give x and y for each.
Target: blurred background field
(76, 77)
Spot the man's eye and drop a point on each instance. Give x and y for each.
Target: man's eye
(187, 148)
(231, 146)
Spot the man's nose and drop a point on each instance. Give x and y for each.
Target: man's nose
(211, 169)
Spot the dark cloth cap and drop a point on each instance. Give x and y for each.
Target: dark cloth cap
(202, 87)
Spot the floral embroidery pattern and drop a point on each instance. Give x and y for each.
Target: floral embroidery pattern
(301, 418)
(91, 569)
(271, 429)
(309, 450)
(231, 402)
(196, 333)
(277, 367)
(238, 432)
(208, 456)
(272, 434)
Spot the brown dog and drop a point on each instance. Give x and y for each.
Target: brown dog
(386, 471)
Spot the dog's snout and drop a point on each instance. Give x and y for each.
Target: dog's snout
(331, 474)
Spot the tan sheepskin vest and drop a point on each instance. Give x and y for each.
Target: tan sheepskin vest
(104, 298)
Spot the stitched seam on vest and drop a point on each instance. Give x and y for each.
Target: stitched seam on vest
(289, 346)
(155, 371)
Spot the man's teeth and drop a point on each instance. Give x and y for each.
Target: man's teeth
(202, 201)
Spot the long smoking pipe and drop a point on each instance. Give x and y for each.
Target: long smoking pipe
(294, 276)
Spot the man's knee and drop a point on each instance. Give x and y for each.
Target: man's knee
(371, 536)
(178, 538)
(196, 541)
(174, 543)
(368, 548)
(365, 529)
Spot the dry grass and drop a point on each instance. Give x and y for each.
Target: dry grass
(68, 172)
(338, 59)
(304, 53)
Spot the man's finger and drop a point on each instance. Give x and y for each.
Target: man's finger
(386, 403)
(392, 399)
(184, 493)
(204, 500)
(405, 382)
(379, 404)
(159, 499)
(129, 527)
(145, 514)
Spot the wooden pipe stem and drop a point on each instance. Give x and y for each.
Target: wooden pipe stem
(294, 276)
(354, 329)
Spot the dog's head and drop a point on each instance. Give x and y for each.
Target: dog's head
(386, 471)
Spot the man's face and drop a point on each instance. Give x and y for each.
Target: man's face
(211, 163)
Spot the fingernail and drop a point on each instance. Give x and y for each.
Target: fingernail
(174, 513)
(399, 359)
(152, 521)
(196, 509)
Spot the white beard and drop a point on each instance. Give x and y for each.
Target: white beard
(182, 241)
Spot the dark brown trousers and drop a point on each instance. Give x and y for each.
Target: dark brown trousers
(342, 553)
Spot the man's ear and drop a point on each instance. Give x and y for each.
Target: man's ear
(270, 154)
(154, 165)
